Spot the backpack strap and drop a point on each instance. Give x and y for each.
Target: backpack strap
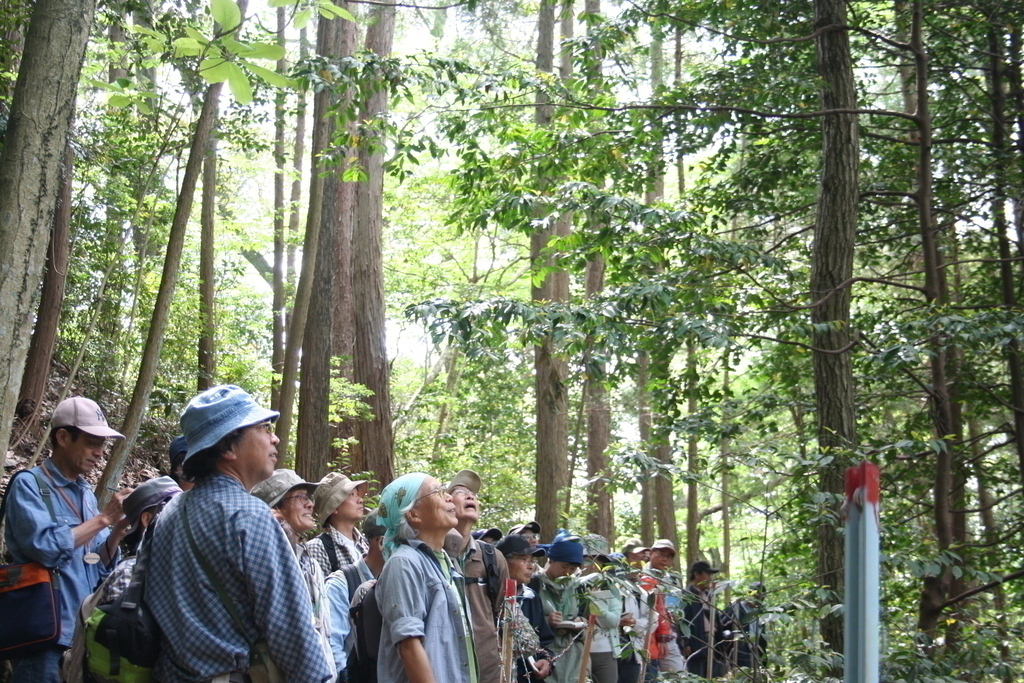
(44, 490)
(332, 550)
(353, 579)
(218, 585)
(491, 571)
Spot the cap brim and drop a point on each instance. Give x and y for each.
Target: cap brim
(96, 430)
(537, 552)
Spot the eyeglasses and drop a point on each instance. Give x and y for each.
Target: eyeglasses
(305, 497)
(530, 536)
(268, 426)
(525, 559)
(443, 490)
(463, 491)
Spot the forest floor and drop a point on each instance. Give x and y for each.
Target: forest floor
(148, 458)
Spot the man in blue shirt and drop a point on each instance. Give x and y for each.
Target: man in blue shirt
(231, 448)
(82, 543)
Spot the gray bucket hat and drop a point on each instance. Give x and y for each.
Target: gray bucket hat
(217, 412)
(272, 490)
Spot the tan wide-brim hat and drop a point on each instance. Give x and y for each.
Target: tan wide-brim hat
(332, 492)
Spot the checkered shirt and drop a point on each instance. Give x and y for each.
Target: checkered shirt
(345, 555)
(247, 547)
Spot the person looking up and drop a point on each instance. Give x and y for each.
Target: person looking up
(426, 637)
(484, 569)
(291, 500)
(339, 509)
(606, 602)
(663, 556)
(529, 530)
(216, 546)
(705, 625)
(635, 552)
(78, 540)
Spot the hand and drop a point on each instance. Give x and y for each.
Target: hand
(114, 509)
(626, 620)
(687, 651)
(554, 618)
(543, 669)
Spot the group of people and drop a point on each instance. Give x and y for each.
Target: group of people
(406, 593)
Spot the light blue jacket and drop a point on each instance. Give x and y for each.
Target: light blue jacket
(33, 536)
(416, 601)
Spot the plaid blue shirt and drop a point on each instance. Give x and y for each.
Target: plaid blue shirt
(243, 542)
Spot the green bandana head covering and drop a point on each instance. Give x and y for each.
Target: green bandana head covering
(396, 499)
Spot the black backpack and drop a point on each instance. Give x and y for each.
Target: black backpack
(122, 639)
(368, 624)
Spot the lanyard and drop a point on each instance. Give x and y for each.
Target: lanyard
(60, 490)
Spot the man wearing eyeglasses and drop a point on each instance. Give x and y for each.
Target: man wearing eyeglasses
(484, 569)
(223, 581)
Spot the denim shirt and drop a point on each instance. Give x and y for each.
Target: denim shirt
(32, 536)
(416, 601)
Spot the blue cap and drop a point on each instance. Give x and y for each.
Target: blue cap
(566, 551)
(217, 412)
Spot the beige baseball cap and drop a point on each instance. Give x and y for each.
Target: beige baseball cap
(467, 478)
(83, 413)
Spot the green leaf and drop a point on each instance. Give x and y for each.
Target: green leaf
(271, 51)
(215, 70)
(271, 77)
(302, 18)
(196, 35)
(283, 3)
(330, 10)
(119, 101)
(226, 13)
(239, 84)
(187, 47)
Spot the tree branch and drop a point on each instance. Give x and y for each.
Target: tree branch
(981, 589)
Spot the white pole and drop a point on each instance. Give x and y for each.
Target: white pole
(861, 623)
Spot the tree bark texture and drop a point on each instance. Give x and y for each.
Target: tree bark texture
(207, 279)
(935, 588)
(661, 449)
(692, 466)
(645, 423)
(550, 368)
(343, 331)
(109, 481)
(30, 168)
(1001, 159)
(835, 231)
(322, 127)
(313, 441)
(600, 513)
(40, 351)
(370, 358)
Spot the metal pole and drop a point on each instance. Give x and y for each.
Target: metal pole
(861, 623)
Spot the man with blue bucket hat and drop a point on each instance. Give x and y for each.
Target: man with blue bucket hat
(224, 585)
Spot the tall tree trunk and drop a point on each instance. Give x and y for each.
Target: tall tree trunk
(600, 519)
(935, 588)
(30, 167)
(723, 454)
(109, 481)
(692, 467)
(322, 127)
(207, 284)
(277, 284)
(453, 370)
(999, 227)
(40, 351)
(835, 231)
(370, 358)
(645, 427)
(343, 429)
(664, 483)
(550, 368)
(313, 437)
